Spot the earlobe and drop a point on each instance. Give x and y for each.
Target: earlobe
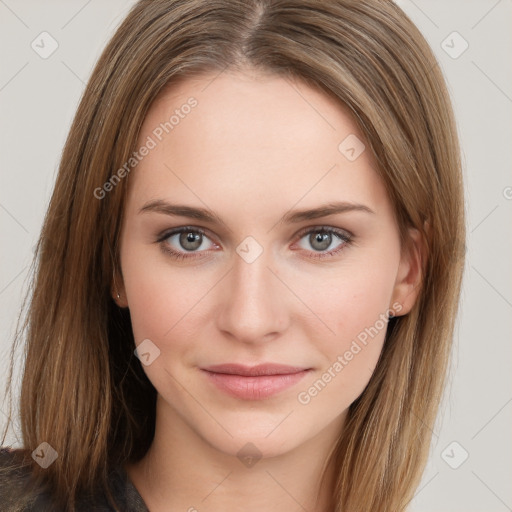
(119, 298)
(410, 273)
(117, 291)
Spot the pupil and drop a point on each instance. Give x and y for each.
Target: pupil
(190, 241)
(323, 240)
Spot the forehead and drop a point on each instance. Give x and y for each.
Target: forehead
(248, 134)
(247, 103)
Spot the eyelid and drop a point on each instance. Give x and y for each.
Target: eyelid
(324, 227)
(345, 235)
(164, 235)
(318, 227)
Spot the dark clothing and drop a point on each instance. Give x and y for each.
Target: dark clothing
(17, 495)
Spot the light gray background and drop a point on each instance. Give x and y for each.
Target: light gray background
(38, 98)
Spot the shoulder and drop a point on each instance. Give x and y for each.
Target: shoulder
(19, 493)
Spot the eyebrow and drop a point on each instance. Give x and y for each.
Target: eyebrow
(292, 217)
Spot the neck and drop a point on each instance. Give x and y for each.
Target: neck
(181, 471)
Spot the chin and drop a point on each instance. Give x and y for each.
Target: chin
(255, 435)
(251, 448)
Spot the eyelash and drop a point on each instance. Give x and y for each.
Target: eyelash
(342, 235)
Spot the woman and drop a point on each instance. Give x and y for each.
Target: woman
(249, 272)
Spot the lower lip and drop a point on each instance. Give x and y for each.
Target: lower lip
(254, 388)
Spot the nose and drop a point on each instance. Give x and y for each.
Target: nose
(254, 305)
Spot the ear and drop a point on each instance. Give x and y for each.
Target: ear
(117, 290)
(409, 277)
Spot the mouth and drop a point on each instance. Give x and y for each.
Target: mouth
(254, 382)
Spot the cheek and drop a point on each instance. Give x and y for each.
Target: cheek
(351, 300)
(355, 306)
(160, 300)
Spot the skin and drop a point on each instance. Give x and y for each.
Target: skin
(254, 148)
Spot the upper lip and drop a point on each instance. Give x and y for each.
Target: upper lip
(254, 371)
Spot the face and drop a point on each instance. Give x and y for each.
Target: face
(260, 260)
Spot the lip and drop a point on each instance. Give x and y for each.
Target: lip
(254, 382)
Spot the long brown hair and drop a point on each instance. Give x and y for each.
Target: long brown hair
(83, 390)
